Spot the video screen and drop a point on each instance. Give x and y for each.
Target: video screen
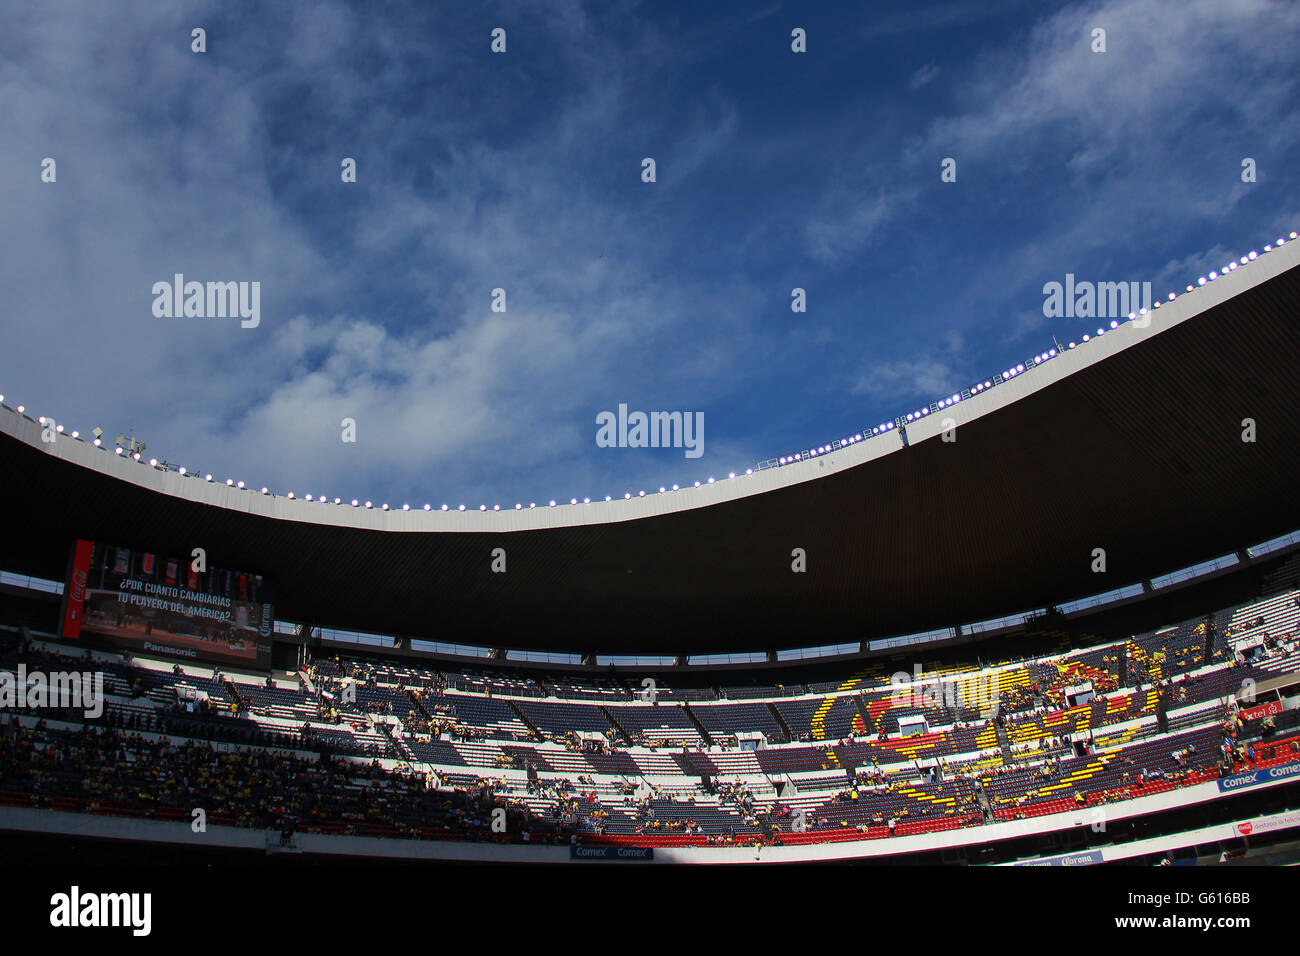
(168, 605)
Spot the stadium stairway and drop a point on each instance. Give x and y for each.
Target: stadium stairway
(704, 734)
(245, 705)
(393, 738)
(780, 721)
(627, 738)
(1004, 741)
(818, 723)
(418, 704)
(868, 722)
(537, 734)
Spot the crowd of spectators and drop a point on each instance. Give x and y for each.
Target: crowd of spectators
(112, 770)
(129, 762)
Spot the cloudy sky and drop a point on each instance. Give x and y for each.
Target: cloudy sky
(522, 171)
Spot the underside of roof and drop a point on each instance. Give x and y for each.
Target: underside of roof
(1140, 454)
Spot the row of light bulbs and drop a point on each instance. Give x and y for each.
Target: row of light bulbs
(884, 427)
(1020, 368)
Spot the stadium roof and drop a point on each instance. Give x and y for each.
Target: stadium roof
(1131, 443)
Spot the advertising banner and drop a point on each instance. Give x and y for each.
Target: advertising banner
(1264, 710)
(611, 853)
(1238, 781)
(170, 606)
(1087, 858)
(74, 593)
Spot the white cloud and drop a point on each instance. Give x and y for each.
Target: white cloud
(375, 296)
(169, 162)
(924, 378)
(924, 75)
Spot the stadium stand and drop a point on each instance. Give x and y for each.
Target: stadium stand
(353, 746)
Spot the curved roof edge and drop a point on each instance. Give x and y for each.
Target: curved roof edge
(251, 501)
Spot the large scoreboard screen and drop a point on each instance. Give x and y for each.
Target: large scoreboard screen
(167, 605)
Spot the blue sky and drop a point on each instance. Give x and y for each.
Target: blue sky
(522, 171)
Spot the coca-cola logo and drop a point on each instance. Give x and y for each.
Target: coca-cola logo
(78, 586)
(1245, 828)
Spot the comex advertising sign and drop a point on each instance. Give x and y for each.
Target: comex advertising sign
(161, 604)
(1237, 781)
(611, 853)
